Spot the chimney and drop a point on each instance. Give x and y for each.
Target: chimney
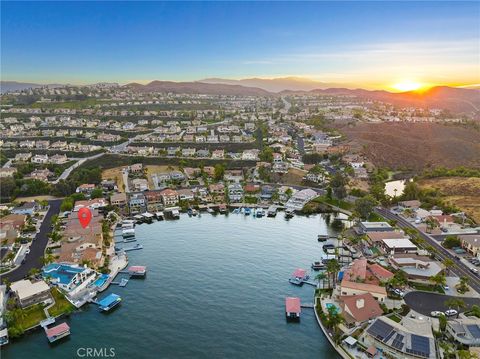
(360, 303)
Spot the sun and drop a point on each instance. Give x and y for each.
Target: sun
(407, 86)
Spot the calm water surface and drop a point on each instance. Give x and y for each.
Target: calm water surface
(215, 288)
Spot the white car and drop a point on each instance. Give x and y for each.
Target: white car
(27, 251)
(451, 312)
(436, 313)
(399, 292)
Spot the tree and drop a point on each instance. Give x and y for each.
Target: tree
(439, 279)
(450, 242)
(96, 193)
(219, 171)
(462, 286)
(333, 267)
(448, 263)
(266, 155)
(33, 272)
(364, 206)
(338, 183)
(67, 204)
(321, 277)
(456, 303)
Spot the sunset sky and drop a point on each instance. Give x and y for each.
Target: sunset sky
(356, 44)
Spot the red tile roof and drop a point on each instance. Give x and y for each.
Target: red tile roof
(292, 305)
(57, 330)
(361, 307)
(299, 273)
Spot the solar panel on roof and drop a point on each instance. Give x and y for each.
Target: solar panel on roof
(379, 330)
(398, 342)
(474, 330)
(387, 338)
(420, 345)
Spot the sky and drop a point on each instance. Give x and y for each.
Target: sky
(359, 44)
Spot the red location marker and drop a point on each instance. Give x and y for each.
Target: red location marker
(84, 216)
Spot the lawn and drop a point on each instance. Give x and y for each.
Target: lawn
(395, 318)
(374, 217)
(427, 287)
(30, 317)
(61, 305)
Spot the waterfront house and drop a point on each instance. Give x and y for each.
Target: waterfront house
(358, 309)
(170, 197)
(67, 276)
(29, 293)
(300, 199)
(118, 199)
(375, 238)
(267, 192)
(357, 288)
(154, 201)
(366, 227)
(185, 194)
(235, 192)
(136, 203)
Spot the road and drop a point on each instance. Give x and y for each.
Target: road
(427, 302)
(77, 164)
(459, 269)
(37, 248)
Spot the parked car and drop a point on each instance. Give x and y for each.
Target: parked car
(436, 313)
(399, 292)
(27, 251)
(451, 312)
(446, 287)
(474, 270)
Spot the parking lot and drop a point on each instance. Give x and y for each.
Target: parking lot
(427, 302)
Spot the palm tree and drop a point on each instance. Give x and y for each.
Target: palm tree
(33, 272)
(456, 303)
(439, 279)
(320, 277)
(333, 267)
(448, 263)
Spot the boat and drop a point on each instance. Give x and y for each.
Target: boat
(189, 211)
(272, 211)
(159, 215)
(175, 213)
(3, 336)
(128, 222)
(129, 232)
(323, 237)
(318, 266)
(247, 211)
(148, 217)
(237, 210)
(222, 208)
(194, 212)
(289, 213)
(138, 218)
(260, 213)
(210, 210)
(109, 302)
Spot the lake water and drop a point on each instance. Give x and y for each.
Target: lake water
(215, 288)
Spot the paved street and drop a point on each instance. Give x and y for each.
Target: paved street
(37, 248)
(460, 268)
(427, 302)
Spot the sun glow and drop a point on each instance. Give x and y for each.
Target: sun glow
(407, 86)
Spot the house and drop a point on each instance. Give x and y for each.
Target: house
(418, 268)
(267, 192)
(118, 199)
(188, 152)
(375, 238)
(177, 176)
(41, 159)
(136, 203)
(108, 185)
(235, 192)
(218, 154)
(170, 197)
(358, 309)
(27, 208)
(96, 203)
(192, 173)
(300, 199)
(250, 155)
(7, 172)
(67, 276)
(41, 175)
(185, 194)
(366, 227)
(10, 226)
(465, 331)
(86, 188)
(29, 293)
(216, 189)
(140, 184)
(58, 159)
(471, 243)
(233, 175)
(136, 168)
(203, 153)
(154, 201)
(398, 245)
(413, 204)
(357, 288)
(22, 157)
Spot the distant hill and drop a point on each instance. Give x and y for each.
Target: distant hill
(9, 86)
(198, 88)
(274, 85)
(452, 98)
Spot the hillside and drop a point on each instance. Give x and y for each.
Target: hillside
(416, 145)
(198, 88)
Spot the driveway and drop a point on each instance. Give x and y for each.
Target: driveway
(427, 302)
(37, 248)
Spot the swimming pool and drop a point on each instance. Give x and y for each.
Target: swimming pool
(101, 280)
(331, 305)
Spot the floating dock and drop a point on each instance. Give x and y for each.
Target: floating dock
(299, 277)
(57, 332)
(134, 248)
(137, 271)
(122, 283)
(160, 215)
(272, 211)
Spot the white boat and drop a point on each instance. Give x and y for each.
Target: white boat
(175, 213)
(209, 210)
(129, 232)
(159, 215)
(289, 213)
(128, 223)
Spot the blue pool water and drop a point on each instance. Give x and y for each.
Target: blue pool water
(101, 280)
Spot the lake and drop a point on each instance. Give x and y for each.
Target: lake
(215, 288)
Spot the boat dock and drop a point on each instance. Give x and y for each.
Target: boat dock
(308, 305)
(293, 308)
(134, 248)
(109, 302)
(122, 283)
(57, 332)
(272, 211)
